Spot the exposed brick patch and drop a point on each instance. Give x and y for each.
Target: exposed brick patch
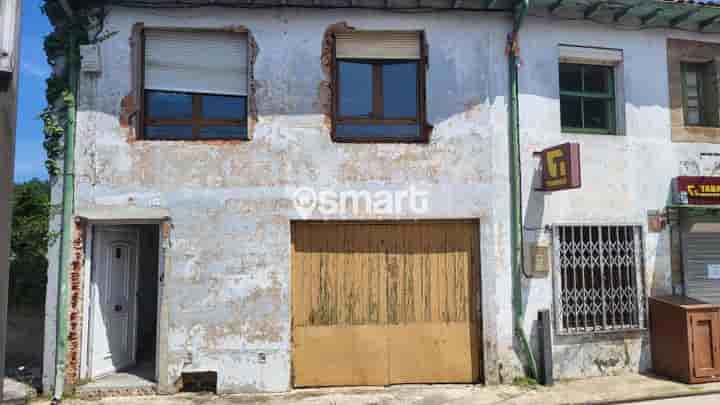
(72, 370)
(325, 91)
(127, 113)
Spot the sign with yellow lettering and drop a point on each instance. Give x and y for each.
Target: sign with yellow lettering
(561, 167)
(699, 190)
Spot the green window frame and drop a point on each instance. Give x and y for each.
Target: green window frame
(582, 94)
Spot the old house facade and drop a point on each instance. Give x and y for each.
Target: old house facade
(301, 196)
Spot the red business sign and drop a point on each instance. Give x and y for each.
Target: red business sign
(561, 167)
(699, 190)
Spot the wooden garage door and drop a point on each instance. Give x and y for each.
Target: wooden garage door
(384, 303)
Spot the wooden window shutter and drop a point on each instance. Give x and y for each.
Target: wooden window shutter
(137, 43)
(378, 45)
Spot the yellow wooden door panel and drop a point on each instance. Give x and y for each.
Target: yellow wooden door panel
(430, 352)
(326, 356)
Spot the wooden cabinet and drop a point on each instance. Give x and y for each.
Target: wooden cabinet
(685, 339)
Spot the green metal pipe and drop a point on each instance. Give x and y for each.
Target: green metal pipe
(68, 208)
(516, 236)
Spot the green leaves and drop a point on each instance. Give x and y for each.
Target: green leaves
(88, 16)
(29, 242)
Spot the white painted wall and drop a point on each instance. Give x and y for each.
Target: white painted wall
(623, 176)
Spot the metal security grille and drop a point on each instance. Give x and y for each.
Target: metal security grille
(598, 278)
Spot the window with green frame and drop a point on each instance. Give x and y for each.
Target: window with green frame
(699, 94)
(587, 98)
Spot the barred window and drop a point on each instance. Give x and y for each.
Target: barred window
(598, 278)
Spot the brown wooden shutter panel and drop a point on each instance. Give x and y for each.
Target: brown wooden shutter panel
(137, 44)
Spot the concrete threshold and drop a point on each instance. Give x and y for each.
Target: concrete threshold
(137, 381)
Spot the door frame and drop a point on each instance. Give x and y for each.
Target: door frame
(134, 281)
(92, 228)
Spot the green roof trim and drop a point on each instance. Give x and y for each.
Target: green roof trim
(681, 14)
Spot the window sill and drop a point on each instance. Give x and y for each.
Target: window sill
(593, 135)
(604, 332)
(208, 141)
(424, 138)
(696, 134)
(371, 141)
(585, 132)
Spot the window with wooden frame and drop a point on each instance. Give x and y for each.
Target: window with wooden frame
(700, 107)
(191, 84)
(587, 98)
(379, 87)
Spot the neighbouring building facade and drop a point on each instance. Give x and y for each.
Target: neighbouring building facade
(9, 51)
(269, 196)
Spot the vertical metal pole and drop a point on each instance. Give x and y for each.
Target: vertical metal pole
(558, 277)
(67, 223)
(601, 255)
(516, 237)
(639, 276)
(545, 335)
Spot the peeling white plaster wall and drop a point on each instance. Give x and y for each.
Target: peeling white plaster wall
(231, 203)
(231, 206)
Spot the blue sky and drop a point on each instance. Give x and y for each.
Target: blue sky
(30, 155)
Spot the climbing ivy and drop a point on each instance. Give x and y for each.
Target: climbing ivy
(87, 17)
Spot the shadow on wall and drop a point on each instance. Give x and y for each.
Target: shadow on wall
(533, 232)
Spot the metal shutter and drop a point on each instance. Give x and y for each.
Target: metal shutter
(701, 248)
(377, 45)
(594, 56)
(196, 62)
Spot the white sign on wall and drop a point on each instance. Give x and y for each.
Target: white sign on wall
(713, 271)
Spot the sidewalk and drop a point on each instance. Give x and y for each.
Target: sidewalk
(628, 387)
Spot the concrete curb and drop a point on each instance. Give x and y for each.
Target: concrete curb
(646, 398)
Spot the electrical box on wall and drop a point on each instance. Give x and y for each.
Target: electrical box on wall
(537, 260)
(90, 59)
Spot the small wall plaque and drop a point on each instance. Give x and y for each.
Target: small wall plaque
(90, 59)
(539, 260)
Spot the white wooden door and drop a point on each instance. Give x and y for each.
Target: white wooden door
(113, 300)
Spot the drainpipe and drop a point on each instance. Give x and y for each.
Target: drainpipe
(67, 223)
(516, 235)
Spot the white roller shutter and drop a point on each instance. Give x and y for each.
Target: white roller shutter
(701, 254)
(378, 45)
(587, 55)
(196, 62)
